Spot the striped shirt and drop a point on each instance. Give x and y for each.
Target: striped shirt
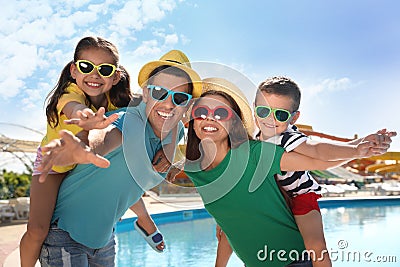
(298, 182)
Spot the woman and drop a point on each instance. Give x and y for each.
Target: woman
(235, 178)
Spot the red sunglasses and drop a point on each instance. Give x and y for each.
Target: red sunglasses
(219, 113)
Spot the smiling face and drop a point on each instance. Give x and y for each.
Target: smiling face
(163, 116)
(93, 84)
(269, 126)
(210, 127)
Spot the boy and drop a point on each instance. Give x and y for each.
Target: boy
(276, 110)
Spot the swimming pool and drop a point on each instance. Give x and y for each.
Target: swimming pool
(359, 232)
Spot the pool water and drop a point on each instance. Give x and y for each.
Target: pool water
(189, 243)
(364, 235)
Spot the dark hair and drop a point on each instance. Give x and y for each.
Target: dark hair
(237, 134)
(171, 70)
(120, 94)
(283, 86)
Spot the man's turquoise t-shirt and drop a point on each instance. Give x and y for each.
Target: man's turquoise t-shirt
(91, 199)
(243, 197)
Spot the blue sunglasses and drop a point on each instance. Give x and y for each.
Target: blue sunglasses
(160, 93)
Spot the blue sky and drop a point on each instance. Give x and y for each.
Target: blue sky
(345, 55)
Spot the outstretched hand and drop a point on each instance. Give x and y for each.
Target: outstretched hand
(376, 144)
(386, 133)
(88, 120)
(68, 150)
(382, 137)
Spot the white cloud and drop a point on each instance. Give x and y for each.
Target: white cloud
(17, 66)
(154, 10)
(171, 39)
(147, 48)
(128, 19)
(331, 85)
(134, 15)
(32, 99)
(39, 37)
(78, 3)
(9, 87)
(184, 39)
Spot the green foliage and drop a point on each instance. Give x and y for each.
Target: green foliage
(14, 185)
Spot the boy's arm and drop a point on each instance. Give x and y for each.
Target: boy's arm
(381, 134)
(294, 161)
(347, 150)
(327, 151)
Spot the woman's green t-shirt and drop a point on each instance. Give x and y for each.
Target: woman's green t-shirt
(243, 197)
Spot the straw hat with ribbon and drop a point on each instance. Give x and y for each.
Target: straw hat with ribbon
(219, 84)
(176, 59)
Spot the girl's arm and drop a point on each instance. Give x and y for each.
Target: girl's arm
(66, 151)
(103, 141)
(364, 147)
(71, 109)
(86, 118)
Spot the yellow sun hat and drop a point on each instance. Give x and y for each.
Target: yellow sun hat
(220, 84)
(174, 58)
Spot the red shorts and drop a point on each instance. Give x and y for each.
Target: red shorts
(303, 204)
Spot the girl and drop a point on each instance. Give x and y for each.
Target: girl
(235, 178)
(92, 81)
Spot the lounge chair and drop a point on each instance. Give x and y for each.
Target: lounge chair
(348, 188)
(332, 190)
(6, 213)
(391, 188)
(21, 207)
